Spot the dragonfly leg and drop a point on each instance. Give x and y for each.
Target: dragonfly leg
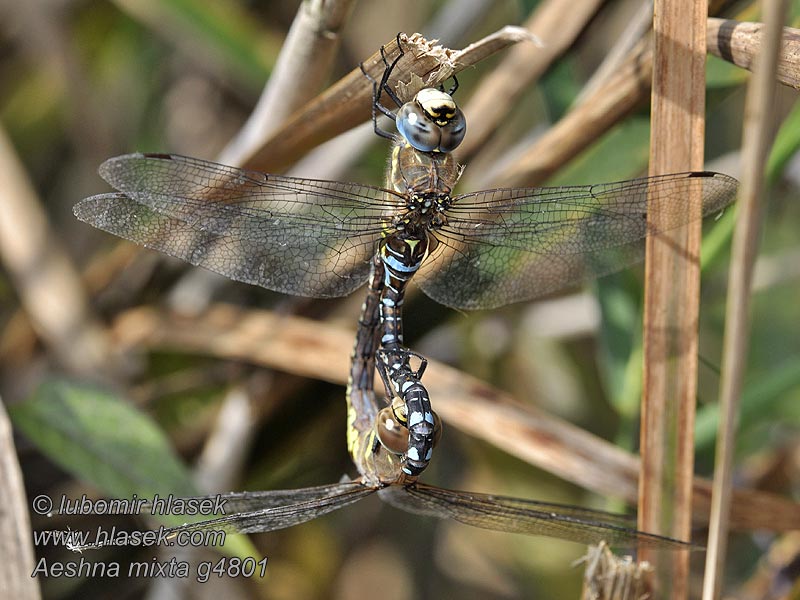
(384, 84)
(382, 87)
(401, 380)
(382, 364)
(423, 363)
(452, 89)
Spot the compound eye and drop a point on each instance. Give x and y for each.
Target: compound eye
(391, 434)
(417, 129)
(453, 133)
(437, 429)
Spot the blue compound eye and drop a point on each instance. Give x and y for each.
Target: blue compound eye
(432, 122)
(453, 133)
(417, 129)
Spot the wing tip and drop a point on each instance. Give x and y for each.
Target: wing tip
(107, 166)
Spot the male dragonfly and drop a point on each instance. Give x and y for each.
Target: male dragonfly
(322, 239)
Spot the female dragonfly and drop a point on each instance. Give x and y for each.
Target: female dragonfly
(322, 239)
(370, 436)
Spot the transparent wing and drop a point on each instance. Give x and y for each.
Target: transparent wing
(298, 236)
(508, 245)
(515, 515)
(256, 512)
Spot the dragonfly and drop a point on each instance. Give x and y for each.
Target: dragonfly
(318, 238)
(375, 446)
(475, 250)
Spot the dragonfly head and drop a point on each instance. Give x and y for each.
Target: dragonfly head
(432, 121)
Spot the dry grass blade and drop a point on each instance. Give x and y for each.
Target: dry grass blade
(47, 283)
(639, 25)
(312, 349)
(556, 23)
(757, 138)
(348, 102)
(581, 127)
(672, 292)
(599, 110)
(15, 527)
(301, 70)
(610, 577)
(226, 448)
(740, 43)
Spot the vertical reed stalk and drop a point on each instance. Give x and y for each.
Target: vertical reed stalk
(757, 137)
(672, 293)
(15, 526)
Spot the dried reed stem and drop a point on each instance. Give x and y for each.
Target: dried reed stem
(757, 138)
(739, 43)
(637, 28)
(672, 293)
(556, 23)
(348, 102)
(15, 526)
(302, 68)
(579, 128)
(610, 577)
(47, 283)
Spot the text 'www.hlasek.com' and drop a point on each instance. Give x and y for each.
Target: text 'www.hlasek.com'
(185, 537)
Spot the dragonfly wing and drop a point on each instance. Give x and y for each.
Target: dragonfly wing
(298, 236)
(515, 515)
(256, 512)
(509, 245)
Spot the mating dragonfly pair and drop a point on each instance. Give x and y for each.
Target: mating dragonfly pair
(476, 250)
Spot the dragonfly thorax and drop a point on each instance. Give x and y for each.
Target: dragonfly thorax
(432, 121)
(424, 213)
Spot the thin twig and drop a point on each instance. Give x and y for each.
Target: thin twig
(626, 89)
(302, 68)
(636, 29)
(227, 446)
(48, 284)
(556, 23)
(740, 43)
(313, 349)
(579, 128)
(757, 137)
(348, 102)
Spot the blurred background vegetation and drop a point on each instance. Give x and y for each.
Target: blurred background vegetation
(81, 81)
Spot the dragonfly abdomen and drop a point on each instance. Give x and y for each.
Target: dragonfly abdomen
(401, 257)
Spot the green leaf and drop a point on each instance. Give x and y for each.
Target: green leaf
(219, 32)
(102, 440)
(620, 154)
(722, 74)
(786, 145)
(105, 441)
(760, 400)
(620, 348)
